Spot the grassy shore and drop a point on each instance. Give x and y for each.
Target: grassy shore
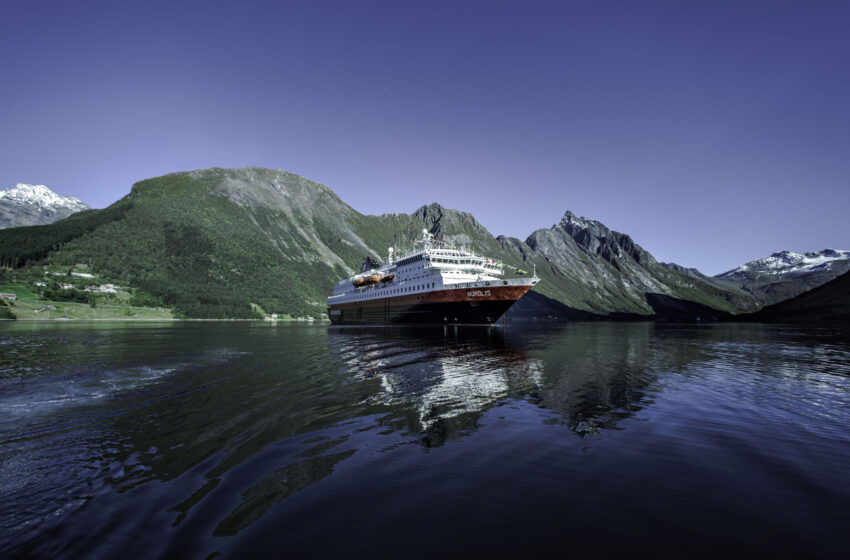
(39, 309)
(43, 310)
(29, 306)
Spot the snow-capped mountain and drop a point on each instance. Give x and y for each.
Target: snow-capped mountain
(788, 262)
(787, 274)
(32, 205)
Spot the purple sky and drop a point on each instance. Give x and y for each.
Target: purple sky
(711, 132)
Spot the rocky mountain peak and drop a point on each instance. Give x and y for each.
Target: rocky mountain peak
(430, 212)
(441, 220)
(595, 238)
(571, 220)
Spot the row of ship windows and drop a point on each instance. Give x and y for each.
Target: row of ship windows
(458, 261)
(398, 291)
(435, 260)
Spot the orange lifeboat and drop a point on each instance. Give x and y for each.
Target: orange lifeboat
(388, 278)
(366, 280)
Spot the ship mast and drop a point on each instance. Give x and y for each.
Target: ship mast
(426, 239)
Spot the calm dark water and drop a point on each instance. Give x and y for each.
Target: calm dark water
(187, 440)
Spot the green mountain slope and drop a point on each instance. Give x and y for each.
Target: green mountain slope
(219, 242)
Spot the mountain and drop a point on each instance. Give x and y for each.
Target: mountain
(590, 268)
(828, 302)
(787, 274)
(30, 205)
(225, 242)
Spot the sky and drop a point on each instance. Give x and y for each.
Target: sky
(712, 132)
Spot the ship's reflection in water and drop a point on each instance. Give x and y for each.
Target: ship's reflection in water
(447, 376)
(439, 379)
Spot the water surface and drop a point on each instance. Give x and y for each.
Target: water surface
(193, 439)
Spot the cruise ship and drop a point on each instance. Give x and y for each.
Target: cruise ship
(436, 283)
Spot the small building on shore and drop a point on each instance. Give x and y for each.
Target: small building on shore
(10, 297)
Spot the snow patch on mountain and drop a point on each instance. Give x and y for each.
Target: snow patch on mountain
(578, 221)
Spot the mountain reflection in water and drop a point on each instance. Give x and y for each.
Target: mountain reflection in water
(195, 439)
